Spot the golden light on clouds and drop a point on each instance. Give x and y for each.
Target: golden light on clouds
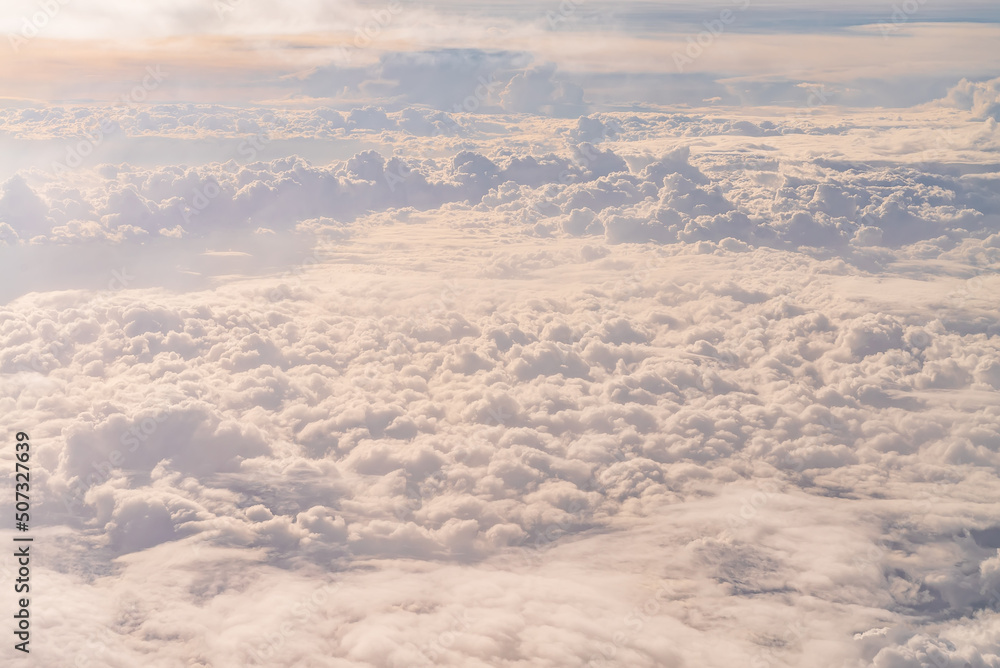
(517, 333)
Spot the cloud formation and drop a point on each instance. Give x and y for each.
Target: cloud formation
(520, 385)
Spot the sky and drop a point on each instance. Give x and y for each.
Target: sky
(521, 334)
(621, 54)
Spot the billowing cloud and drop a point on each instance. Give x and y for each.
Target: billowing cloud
(982, 98)
(463, 355)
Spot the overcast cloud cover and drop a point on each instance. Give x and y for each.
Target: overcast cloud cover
(639, 334)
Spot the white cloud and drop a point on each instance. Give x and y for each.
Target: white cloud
(511, 390)
(982, 98)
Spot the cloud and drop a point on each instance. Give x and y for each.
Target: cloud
(982, 98)
(509, 388)
(455, 80)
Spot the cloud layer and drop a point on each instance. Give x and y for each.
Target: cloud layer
(501, 389)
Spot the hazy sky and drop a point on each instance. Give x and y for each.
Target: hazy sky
(872, 54)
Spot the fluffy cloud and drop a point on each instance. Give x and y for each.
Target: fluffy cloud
(591, 179)
(455, 80)
(510, 390)
(982, 98)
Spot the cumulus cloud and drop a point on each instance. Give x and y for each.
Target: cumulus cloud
(982, 98)
(587, 181)
(509, 389)
(458, 80)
